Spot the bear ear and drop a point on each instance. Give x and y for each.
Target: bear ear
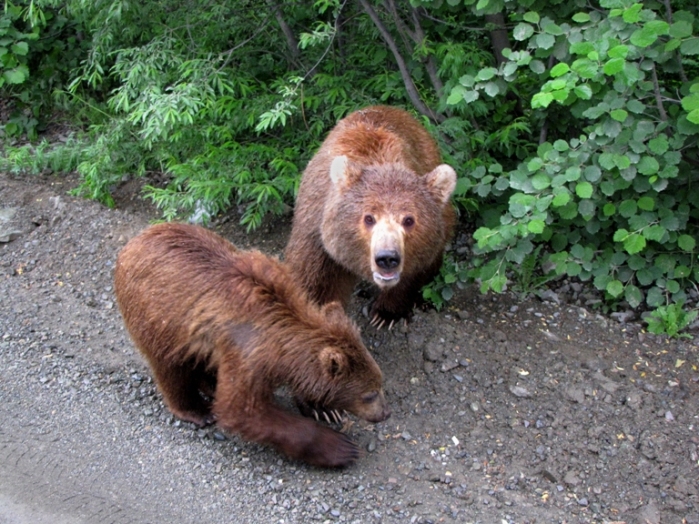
(443, 181)
(333, 311)
(333, 361)
(342, 171)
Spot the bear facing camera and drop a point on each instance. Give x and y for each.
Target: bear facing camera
(222, 329)
(375, 204)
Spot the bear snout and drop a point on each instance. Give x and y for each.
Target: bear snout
(387, 259)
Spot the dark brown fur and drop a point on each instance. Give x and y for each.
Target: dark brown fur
(377, 162)
(209, 317)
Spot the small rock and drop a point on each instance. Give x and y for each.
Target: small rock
(633, 400)
(371, 446)
(583, 501)
(623, 316)
(498, 336)
(433, 351)
(571, 478)
(669, 416)
(449, 365)
(575, 394)
(550, 296)
(520, 391)
(463, 315)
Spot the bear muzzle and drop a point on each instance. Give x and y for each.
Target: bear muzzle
(388, 265)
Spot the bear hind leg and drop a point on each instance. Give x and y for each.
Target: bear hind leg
(180, 386)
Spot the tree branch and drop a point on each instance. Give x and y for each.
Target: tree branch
(405, 74)
(658, 98)
(498, 36)
(291, 41)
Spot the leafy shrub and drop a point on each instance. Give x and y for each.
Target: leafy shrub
(609, 191)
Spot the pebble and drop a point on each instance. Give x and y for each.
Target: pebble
(669, 416)
(520, 391)
(433, 351)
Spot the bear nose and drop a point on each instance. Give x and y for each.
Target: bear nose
(387, 259)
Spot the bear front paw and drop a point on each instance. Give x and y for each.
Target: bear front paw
(331, 449)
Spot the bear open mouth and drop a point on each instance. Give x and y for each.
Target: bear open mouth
(383, 279)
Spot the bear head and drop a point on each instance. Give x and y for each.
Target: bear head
(343, 375)
(385, 221)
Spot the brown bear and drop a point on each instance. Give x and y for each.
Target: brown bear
(374, 202)
(210, 318)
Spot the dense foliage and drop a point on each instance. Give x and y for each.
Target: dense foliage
(573, 126)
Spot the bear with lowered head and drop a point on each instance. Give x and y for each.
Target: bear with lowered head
(374, 203)
(222, 329)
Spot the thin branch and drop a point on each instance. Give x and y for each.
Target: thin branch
(668, 17)
(410, 87)
(330, 44)
(658, 97)
(241, 44)
(291, 41)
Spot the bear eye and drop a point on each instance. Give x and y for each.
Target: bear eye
(370, 397)
(369, 220)
(408, 222)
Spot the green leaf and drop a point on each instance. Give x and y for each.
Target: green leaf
(619, 115)
(686, 243)
(648, 165)
(609, 209)
(581, 18)
(531, 16)
(655, 232)
(559, 69)
(16, 76)
(551, 28)
(635, 106)
(20, 48)
(592, 173)
(585, 67)
(561, 145)
(643, 37)
(619, 51)
(541, 100)
(634, 243)
(535, 164)
(561, 199)
(540, 181)
(492, 89)
(486, 73)
(693, 116)
(545, 40)
(456, 95)
(691, 102)
(633, 296)
(615, 288)
(583, 91)
(681, 29)
(583, 189)
(628, 208)
(522, 31)
(646, 203)
(690, 46)
(613, 66)
(658, 145)
(606, 160)
(632, 14)
(536, 226)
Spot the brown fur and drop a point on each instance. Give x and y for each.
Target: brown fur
(377, 162)
(211, 318)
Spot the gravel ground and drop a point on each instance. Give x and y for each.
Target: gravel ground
(503, 411)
